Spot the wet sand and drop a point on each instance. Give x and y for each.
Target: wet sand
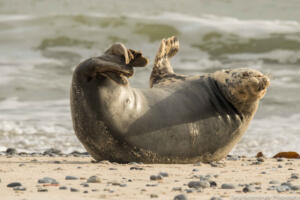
(249, 178)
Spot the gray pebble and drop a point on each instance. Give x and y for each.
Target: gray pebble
(188, 190)
(248, 188)
(21, 165)
(94, 179)
(71, 178)
(279, 166)
(52, 151)
(180, 197)
(227, 186)
(112, 168)
(153, 196)
(215, 198)
(198, 184)
(155, 178)
(295, 187)
(136, 168)
(212, 184)
(85, 192)
(14, 184)
(11, 151)
(177, 189)
(282, 188)
(123, 185)
(19, 188)
(279, 159)
(294, 176)
(274, 182)
(63, 188)
(163, 174)
(74, 190)
(151, 185)
(96, 190)
(47, 180)
(260, 159)
(195, 170)
(42, 190)
(198, 164)
(84, 184)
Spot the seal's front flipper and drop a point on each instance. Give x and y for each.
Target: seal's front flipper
(162, 69)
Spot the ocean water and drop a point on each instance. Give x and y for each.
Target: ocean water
(42, 41)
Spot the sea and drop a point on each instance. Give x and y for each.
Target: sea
(41, 42)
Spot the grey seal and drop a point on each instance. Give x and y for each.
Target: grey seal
(179, 119)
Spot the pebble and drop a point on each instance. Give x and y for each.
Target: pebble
(19, 188)
(85, 191)
(74, 190)
(94, 179)
(279, 159)
(14, 184)
(177, 189)
(84, 185)
(11, 151)
(63, 188)
(52, 151)
(198, 184)
(47, 180)
(163, 174)
(113, 168)
(180, 197)
(274, 182)
(260, 159)
(282, 188)
(151, 185)
(42, 190)
(198, 164)
(155, 178)
(248, 188)
(233, 157)
(21, 165)
(227, 186)
(215, 198)
(279, 166)
(136, 168)
(213, 184)
(188, 190)
(153, 196)
(295, 187)
(71, 178)
(294, 176)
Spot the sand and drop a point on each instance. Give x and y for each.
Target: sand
(132, 181)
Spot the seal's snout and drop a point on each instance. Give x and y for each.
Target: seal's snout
(264, 83)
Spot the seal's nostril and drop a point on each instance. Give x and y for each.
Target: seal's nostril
(245, 74)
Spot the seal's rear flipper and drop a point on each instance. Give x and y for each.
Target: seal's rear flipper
(162, 69)
(130, 57)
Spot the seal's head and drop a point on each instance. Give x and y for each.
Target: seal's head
(242, 87)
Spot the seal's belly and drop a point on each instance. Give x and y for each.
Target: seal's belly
(189, 139)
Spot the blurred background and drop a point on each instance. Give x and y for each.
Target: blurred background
(42, 41)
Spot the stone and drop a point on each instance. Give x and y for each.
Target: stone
(180, 197)
(71, 178)
(14, 184)
(227, 186)
(94, 179)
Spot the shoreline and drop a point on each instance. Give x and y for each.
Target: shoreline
(235, 177)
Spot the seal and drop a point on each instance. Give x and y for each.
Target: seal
(179, 119)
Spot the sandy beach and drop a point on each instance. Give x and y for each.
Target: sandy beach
(68, 177)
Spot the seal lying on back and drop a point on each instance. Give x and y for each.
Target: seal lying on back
(180, 119)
